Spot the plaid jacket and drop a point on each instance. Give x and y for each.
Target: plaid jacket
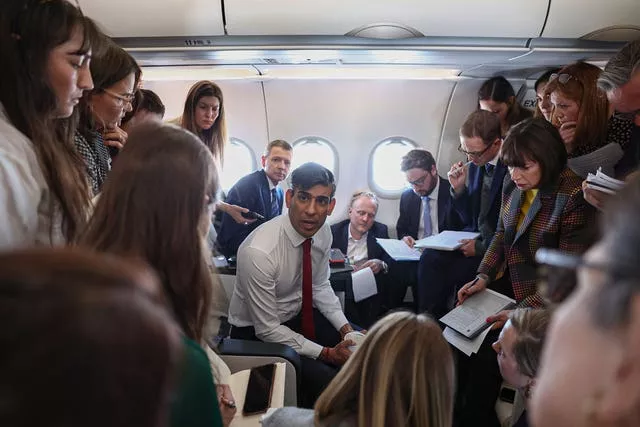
(558, 218)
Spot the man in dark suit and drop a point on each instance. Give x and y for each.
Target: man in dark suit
(425, 209)
(257, 192)
(356, 238)
(475, 192)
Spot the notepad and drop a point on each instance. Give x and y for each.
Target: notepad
(399, 250)
(470, 318)
(464, 344)
(604, 183)
(448, 240)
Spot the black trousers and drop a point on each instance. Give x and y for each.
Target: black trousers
(479, 377)
(440, 275)
(315, 375)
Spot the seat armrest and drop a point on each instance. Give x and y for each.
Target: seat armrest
(245, 354)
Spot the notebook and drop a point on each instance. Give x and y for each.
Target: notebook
(602, 182)
(448, 240)
(470, 318)
(399, 250)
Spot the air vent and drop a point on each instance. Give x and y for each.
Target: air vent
(614, 34)
(385, 31)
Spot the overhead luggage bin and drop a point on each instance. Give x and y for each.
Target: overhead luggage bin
(152, 18)
(579, 18)
(460, 18)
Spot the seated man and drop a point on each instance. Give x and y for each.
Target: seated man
(425, 210)
(476, 194)
(356, 237)
(257, 192)
(282, 291)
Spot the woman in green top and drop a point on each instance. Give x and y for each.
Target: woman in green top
(156, 207)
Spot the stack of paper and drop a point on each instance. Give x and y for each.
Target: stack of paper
(602, 182)
(448, 240)
(463, 343)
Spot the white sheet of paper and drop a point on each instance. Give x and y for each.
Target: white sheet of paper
(239, 382)
(463, 343)
(448, 240)
(399, 250)
(363, 283)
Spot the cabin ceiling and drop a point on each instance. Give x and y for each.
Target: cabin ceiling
(476, 37)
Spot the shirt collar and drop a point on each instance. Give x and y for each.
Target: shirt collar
(271, 185)
(434, 193)
(364, 236)
(294, 237)
(494, 162)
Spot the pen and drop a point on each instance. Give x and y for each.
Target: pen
(473, 283)
(461, 167)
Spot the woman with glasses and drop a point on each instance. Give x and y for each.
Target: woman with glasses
(45, 69)
(115, 76)
(542, 206)
(593, 138)
(497, 95)
(590, 368)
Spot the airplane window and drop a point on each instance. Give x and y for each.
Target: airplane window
(239, 161)
(315, 150)
(385, 176)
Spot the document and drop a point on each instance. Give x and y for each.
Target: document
(363, 283)
(470, 318)
(602, 182)
(463, 343)
(399, 250)
(448, 240)
(238, 383)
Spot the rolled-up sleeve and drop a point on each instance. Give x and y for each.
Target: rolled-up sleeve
(258, 278)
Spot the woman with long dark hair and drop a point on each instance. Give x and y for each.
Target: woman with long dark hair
(45, 53)
(156, 207)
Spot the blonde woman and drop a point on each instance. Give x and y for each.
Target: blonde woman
(401, 375)
(519, 348)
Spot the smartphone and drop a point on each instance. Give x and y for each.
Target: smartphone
(252, 215)
(507, 394)
(258, 397)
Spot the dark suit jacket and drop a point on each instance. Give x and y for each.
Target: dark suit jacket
(410, 203)
(251, 192)
(468, 203)
(558, 218)
(340, 233)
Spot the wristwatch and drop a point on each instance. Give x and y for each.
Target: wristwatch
(385, 267)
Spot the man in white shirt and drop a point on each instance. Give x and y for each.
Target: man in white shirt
(356, 237)
(282, 291)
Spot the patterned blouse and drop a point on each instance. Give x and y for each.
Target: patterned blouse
(96, 157)
(618, 131)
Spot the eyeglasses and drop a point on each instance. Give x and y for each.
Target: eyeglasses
(563, 78)
(558, 276)
(127, 98)
(475, 154)
(419, 181)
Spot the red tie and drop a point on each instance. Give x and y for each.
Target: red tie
(308, 329)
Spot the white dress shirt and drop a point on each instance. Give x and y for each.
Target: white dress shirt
(433, 213)
(268, 289)
(357, 250)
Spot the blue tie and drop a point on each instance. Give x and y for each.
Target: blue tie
(489, 168)
(275, 208)
(426, 216)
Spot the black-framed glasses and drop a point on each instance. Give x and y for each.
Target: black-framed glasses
(558, 272)
(563, 78)
(419, 181)
(475, 154)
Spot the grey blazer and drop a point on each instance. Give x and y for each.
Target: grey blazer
(297, 417)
